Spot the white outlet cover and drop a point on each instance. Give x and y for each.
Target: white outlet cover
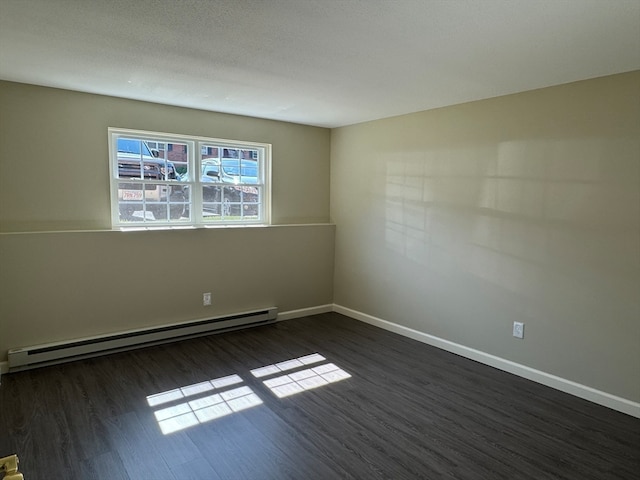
(518, 329)
(206, 299)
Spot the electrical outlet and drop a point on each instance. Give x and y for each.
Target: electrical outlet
(518, 329)
(206, 299)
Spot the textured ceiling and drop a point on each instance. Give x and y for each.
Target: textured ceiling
(319, 62)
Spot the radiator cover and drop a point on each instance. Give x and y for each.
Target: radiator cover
(59, 352)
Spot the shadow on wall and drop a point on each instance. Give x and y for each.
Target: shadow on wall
(523, 216)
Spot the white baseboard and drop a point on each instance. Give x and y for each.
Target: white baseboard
(596, 396)
(304, 312)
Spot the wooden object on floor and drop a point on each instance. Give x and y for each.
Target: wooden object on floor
(9, 465)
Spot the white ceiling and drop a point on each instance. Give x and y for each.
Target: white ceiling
(319, 62)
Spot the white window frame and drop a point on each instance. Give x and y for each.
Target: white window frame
(192, 181)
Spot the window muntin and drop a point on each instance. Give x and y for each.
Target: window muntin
(154, 181)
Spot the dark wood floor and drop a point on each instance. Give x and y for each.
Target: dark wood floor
(408, 411)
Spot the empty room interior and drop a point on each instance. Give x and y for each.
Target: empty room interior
(318, 239)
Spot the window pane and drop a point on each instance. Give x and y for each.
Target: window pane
(211, 211)
(230, 153)
(211, 193)
(177, 156)
(180, 200)
(231, 195)
(212, 202)
(209, 151)
(158, 211)
(233, 211)
(211, 171)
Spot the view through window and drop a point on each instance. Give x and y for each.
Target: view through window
(162, 180)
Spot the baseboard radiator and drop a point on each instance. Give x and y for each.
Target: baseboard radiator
(59, 352)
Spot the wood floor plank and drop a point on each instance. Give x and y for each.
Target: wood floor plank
(136, 449)
(237, 450)
(106, 465)
(301, 451)
(407, 411)
(198, 469)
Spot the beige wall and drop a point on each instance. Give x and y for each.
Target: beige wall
(458, 221)
(55, 143)
(82, 279)
(455, 222)
(60, 286)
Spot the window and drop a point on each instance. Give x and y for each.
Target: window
(164, 180)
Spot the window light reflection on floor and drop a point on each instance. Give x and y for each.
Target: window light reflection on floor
(202, 402)
(300, 380)
(287, 365)
(190, 390)
(202, 409)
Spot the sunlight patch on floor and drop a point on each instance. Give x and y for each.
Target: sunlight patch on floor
(203, 409)
(203, 402)
(303, 378)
